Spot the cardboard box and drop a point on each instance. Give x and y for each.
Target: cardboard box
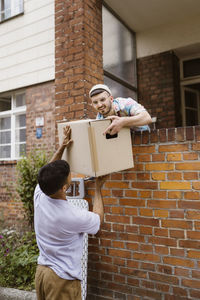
(93, 153)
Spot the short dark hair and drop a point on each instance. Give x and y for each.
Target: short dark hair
(53, 176)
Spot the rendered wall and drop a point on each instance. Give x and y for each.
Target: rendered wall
(27, 46)
(148, 246)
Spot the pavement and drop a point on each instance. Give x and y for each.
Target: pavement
(14, 294)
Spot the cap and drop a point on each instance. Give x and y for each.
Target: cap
(99, 88)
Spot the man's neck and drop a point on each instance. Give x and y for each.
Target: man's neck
(110, 113)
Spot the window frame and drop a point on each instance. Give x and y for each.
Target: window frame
(2, 10)
(112, 76)
(12, 113)
(185, 83)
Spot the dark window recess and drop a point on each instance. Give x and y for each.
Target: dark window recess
(191, 67)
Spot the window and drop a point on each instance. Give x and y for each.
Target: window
(12, 126)
(119, 56)
(191, 105)
(10, 8)
(191, 67)
(190, 88)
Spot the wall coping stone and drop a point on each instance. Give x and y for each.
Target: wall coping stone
(14, 294)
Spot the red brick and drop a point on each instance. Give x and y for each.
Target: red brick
(178, 262)
(174, 176)
(159, 167)
(163, 278)
(173, 148)
(176, 224)
(190, 175)
(191, 283)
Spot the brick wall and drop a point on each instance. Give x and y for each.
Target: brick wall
(78, 56)
(148, 247)
(158, 88)
(39, 103)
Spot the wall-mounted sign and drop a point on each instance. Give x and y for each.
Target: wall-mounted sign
(38, 132)
(39, 121)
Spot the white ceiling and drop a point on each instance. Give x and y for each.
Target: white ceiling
(141, 15)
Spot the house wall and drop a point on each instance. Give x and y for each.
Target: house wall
(40, 103)
(27, 46)
(159, 88)
(148, 246)
(168, 37)
(78, 57)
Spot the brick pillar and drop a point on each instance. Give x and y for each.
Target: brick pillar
(78, 56)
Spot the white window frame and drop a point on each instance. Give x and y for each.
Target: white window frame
(16, 8)
(15, 111)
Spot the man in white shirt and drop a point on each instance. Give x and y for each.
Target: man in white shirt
(59, 228)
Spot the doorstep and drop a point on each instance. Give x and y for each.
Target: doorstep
(14, 294)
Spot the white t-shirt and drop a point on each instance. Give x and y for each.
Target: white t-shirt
(59, 228)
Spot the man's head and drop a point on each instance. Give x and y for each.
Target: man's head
(101, 98)
(54, 178)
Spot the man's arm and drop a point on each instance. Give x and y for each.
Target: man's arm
(98, 206)
(65, 144)
(143, 118)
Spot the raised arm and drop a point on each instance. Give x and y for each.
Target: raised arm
(98, 206)
(65, 144)
(143, 118)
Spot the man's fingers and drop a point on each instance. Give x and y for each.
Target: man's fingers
(108, 129)
(112, 118)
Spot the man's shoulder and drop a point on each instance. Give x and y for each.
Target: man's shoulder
(128, 100)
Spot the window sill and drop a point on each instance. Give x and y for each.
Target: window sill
(10, 18)
(8, 162)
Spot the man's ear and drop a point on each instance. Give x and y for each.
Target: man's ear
(64, 188)
(111, 98)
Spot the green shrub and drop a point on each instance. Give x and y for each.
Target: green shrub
(18, 259)
(27, 170)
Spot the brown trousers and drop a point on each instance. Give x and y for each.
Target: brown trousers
(49, 286)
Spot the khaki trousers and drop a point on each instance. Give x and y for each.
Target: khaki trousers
(49, 286)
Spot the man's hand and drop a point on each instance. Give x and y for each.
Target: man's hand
(67, 141)
(65, 144)
(99, 181)
(115, 126)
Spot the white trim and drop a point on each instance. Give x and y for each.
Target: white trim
(15, 111)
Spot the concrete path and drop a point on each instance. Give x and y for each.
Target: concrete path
(13, 294)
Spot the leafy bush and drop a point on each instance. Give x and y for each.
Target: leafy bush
(27, 169)
(18, 259)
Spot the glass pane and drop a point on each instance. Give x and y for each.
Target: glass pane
(20, 150)
(5, 103)
(20, 100)
(5, 123)
(17, 7)
(191, 117)
(20, 121)
(191, 67)
(119, 55)
(20, 135)
(5, 137)
(190, 99)
(7, 9)
(119, 90)
(5, 151)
